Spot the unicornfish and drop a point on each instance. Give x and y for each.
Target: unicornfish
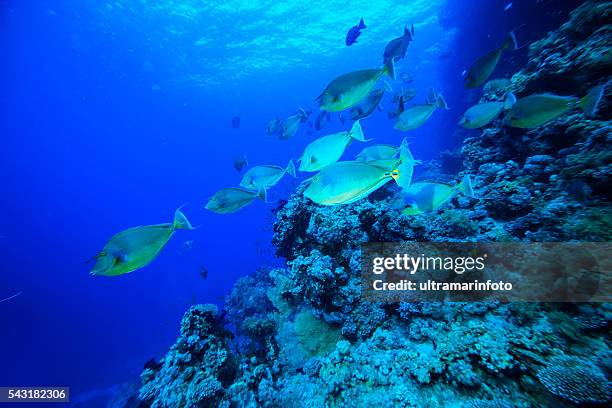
(484, 113)
(482, 69)
(230, 200)
(348, 181)
(265, 176)
(136, 247)
(424, 197)
(350, 89)
(535, 110)
(328, 149)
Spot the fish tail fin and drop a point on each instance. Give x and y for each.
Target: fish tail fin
(291, 169)
(512, 39)
(589, 102)
(389, 69)
(409, 33)
(440, 101)
(180, 221)
(356, 132)
(303, 114)
(509, 101)
(511, 42)
(403, 173)
(465, 186)
(362, 24)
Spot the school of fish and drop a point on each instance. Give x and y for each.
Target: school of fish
(336, 182)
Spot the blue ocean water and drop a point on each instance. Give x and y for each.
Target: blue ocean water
(115, 113)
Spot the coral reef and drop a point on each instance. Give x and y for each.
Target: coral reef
(575, 380)
(572, 58)
(197, 367)
(304, 336)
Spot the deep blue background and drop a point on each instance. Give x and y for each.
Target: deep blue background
(89, 146)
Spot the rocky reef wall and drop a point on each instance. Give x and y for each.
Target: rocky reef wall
(304, 338)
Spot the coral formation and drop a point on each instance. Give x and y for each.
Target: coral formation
(197, 367)
(306, 338)
(576, 380)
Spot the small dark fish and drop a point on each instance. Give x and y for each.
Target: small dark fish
(240, 163)
(354, 32)
(341, 118)
(396, 48)
(203, 272)
(321, 120)
(236, 122)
